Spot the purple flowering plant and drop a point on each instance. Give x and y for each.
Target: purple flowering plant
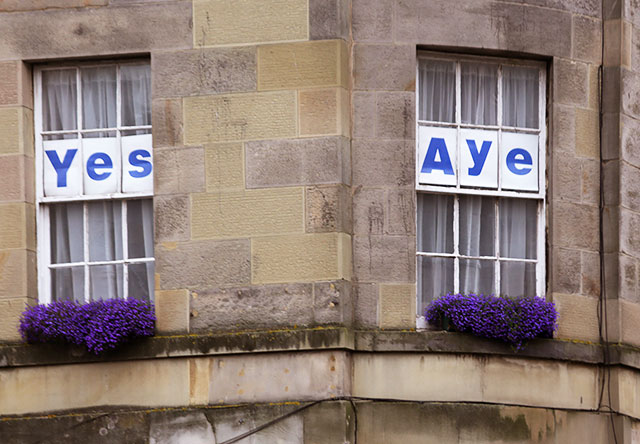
(513, 320)
(98, 325)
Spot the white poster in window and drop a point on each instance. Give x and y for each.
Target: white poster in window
(62, 167)
(437, 159)
(479, 158)
(519, 162)
(102, 165)
(137, 157)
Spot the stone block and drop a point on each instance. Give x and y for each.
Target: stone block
(224, 165)
(629, 233)
(199, 370)
(395, 115)
(327, 209)
(577, 317)
(203, 71)
(244, 21)
(16, 126)
(575, 226)
(564, 185)
(630, 317)
(364, 114)
(306, 64)
(369, 211)
(563, 134)
(17, 181)
(566, 271)
(324, 111)
(380, 163)
(629, 140)
(240, 117)
(587, 133)
(171, 218)
(151, 382)
(384, 67)
(629, 186)
(172, 311)
(192, 428)
(31, 5)
(611, 225)
(75, 32)
(235, 214)
(329, 19)
(166, 116)
(10, 311)
(590, 274)
(372, 20)
(252, 307)
(611, 135)
(635, 48)
(18, 276)
(627, 278)
(401, 212)
(15, 84)
(287, 162)
(618, 41)
(611, 182)
(366, 305)
(296, 258)
(570, 82)
(590, 181)
(329, 423)
(612, 88)
(587, 39)
(332, 303)
(630, 93)
(594, 86)
(382, 258)
(397, 306)
(179, 170)
(231, 423)
(203, 264)
(17, 226)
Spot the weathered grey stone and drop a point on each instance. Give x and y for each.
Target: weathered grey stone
(384, 67)
(585, 7)
(611, 85)
(372, 20)
(332, 302)
(611, 183)
(611, 135)
(231, 423)
(379, 163)
(131, 29)
(179, 170)
(395, 115)
(328, 208)
(366, 305)
(364, 114)
(284, 162)
(629, 233)
(563, 132)
(575, 226)
(382, 258)
(566, 270)
(166, 116)
(590, 181)
(610, 226)
(630, 93)
(401, 212)
(329, 423)
(564, 185)
(635, 48)
(205, 264)
(629, 140)
(203, 71)
(570, 80)
(590, 274)
(171, 218)
(30, 5)
(628, 276)
(185, 428)
(587, 35)
(329, 19)
(369, 210)
(629, 187)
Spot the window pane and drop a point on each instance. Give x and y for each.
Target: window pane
(479, 93)
(141, 280)
(435, 223)
(140, 228)
(99, 97)
(477, 225)
(136, 95)
(477, 276)
(67, 284)
(520, 96)
(106, 281)
(105, 230)
(66, 232)
(518, 223)
(437, 90)
(517, 279)
(59, 104)
(435, 277)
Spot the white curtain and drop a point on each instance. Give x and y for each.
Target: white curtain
(67, 245)
(479, 93)
(520, 96)
(98, 98)
(437, 90)
(518, 240)
(476, 238)
(140, 244)
(136, 95)
(59, 92)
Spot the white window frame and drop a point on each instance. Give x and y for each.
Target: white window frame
(458, 190)
(42, 202)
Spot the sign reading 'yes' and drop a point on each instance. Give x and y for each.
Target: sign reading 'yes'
(482, 160)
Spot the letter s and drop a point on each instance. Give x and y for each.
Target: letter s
(136, 160)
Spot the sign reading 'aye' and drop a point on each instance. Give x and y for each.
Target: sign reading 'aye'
(98, 166)
(478, 158)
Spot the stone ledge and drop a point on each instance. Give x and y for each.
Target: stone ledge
(321, 338)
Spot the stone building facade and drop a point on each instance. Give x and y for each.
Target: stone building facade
(284, 152)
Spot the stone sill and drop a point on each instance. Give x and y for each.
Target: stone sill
(322, 338)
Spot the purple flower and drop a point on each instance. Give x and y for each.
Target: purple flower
(98, 325)
(513, 320)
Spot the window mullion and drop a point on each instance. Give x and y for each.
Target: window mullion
(456, 247)
(458, 119)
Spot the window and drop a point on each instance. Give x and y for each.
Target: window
(95, 181)
(480, 177)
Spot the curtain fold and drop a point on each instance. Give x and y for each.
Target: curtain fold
(437, 90)
(520, 96)
(479, 93)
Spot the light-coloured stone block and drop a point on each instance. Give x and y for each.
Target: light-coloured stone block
(324, 111)
(235, 214)
(179, 170)
(10, 311)
(199, 371)
(397, 306)
(18, 274)
(587, 133)
(577, 317)
(252, 116)
(17, 226)
(172, 311)
(245, 21)
(295, 258)
(17, 181)
(16, 127)
(224, 166)
(308, 64)
(630, 320)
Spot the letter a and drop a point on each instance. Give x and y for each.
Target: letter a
(437, 146)
(61, 167)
